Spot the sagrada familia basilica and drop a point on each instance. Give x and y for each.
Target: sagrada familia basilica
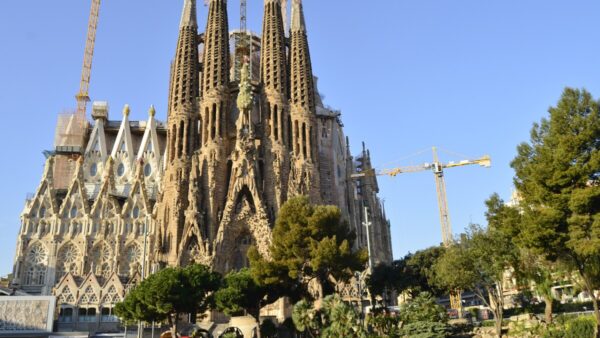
(130, 197)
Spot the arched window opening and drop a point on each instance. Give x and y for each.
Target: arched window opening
(304, 140)
(276, 122)
(213, 121)
(36, 261)
(65, 315)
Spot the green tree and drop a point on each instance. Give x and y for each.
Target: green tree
(531, 266)
(412, 274)
(478, 263)
(310, 244)
(168, 293)
(384, 279)
(557, 174)
(240, 293)
(334, 319)
(304, 317)
(423, 308)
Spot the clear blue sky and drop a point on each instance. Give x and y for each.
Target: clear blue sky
(469, 76)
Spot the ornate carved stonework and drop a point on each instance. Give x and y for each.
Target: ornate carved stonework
(26, 314)
(205, 185)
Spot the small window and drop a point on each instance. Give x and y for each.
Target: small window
(135, 213)
(65, 315)
(121, 170)
(73, 212)
(93, 169)
(42, 212)
(148, 169)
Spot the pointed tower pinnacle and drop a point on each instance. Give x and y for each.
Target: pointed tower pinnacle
(188, 16)
(302, 85)
(274, 78)
(298, 22)
(305, 173)
(215, 108)
(182, 134)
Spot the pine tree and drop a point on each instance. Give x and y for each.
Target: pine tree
(558, 178)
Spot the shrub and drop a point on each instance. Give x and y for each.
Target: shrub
(582, 327)
(425, 330)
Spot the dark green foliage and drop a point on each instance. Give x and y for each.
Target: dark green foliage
(571, 327)
(335, 319)
(423, 308)
(383, 323)
(240, 293)
(168, 293)
(582, 327)
(412, 274)
(419, 271)
(309, 242)
(478, 264)
(425, 330)
(558, 177)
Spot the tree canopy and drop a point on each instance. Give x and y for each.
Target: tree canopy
(412, 274)
(168, 293)
(241, 293)
(310, 243)
(478, 263)
(557, 174)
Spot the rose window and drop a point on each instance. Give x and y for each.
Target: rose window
(37, 254)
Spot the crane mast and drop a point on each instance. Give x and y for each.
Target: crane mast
(83, 96)
(440, 185)
(437, 168)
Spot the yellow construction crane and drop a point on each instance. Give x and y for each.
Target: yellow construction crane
(437, 168)
(83, 96)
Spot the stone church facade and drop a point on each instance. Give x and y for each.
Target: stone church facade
(126, 198)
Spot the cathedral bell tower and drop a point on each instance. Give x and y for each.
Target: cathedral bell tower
(182, 136)
(276, 117)
(214, 114)
(304, 175)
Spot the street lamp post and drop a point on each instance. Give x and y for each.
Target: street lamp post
(140, 332)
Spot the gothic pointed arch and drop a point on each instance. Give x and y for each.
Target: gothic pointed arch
(75, 204)
(106, 208)
(137, 206)
(100, 260)
(131, 259)
(150, 151)
(96, 153)
(245, 222)
(123, 153)
(43, 203)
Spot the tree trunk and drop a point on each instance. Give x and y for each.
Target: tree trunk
(596, 313)
(590, 291)
(256, 315)
(548, 309)
(499, 327)
(174, 325)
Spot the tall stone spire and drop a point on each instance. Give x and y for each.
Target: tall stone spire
(304, 177)
(182, 135)
(302, 84)
(185, 69)
(188, 16)
(276, 120)
(214, 112)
